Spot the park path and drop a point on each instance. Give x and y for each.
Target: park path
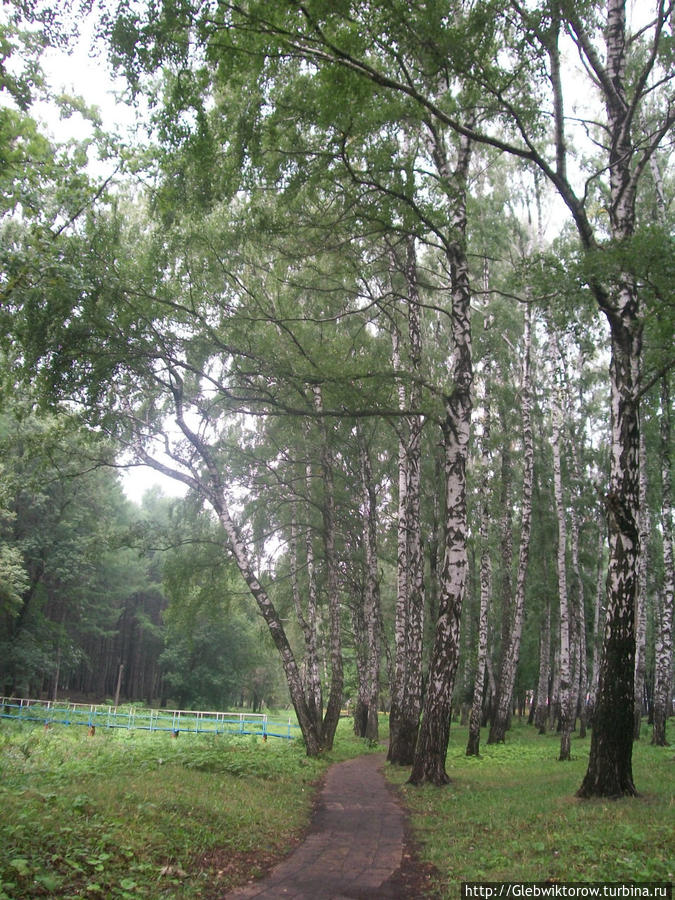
(355, 849)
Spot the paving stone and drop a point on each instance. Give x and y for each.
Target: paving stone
(355, 843)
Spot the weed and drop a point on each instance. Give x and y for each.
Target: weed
(133, 814)
(511, 815)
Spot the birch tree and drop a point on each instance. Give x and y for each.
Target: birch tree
(563, 598)
(372, 590)
(409, 625)
(485, 578)
(512, 651)
(663, 681)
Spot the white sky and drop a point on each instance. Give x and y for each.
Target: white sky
(84, 74)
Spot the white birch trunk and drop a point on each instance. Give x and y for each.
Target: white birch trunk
(372, 592)
(334, 704)
(407, 697)
(610, 771)
(415, 552)
(213, 490)
(313, 662)
(512, 651)
(432, 744)
(641, 597)
(473, 743)
(598, 619)
(663, 663)
(542, 707)
(307, 625)
(399, 687)
(563, 598)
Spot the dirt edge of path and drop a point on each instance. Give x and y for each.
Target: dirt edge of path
(413, 879)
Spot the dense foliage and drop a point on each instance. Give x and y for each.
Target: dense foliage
(393, 303)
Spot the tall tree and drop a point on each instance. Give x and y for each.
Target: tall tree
(663, 681)
(473, 742)
(511, 652)
(372, 590)
(432, 744)
(407, 689)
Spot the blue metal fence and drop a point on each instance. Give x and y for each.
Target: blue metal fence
(175, 721)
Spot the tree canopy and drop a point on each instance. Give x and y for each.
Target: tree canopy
(357, 291)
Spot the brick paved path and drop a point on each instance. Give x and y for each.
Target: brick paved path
(355, 846)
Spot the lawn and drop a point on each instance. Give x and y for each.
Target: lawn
(132, 814)
(511, 815)
(137, 814)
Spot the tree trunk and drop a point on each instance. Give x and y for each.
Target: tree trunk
(641, 599)
(213, 490)
(506, 587)
(554, 707)
(407, 694)
(577, 703)
(473, 743)
(610, 769)
(415, 629)
(400, 736)
(433, 543)
(542, 707)
(598, 621)
(313, 668)
(360, 642)
(276, 629)
(663, 663)
(334, 704)
(610, 765)
(563, 599)
(372, 592)
(308, 626)
(432, 744)
(512, 650)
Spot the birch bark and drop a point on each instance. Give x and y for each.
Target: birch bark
(314, 670)
(610, 771)
(575, 429)
(334, 703)
(407, 696)
(543, 682)
(563, 598)
(415, 553)
(641, 598)
(307, 625)
(663, 680)
(432, 743)
(372, 591)
(473, 743)
(512, 652)
(397, 727)
(598, 619)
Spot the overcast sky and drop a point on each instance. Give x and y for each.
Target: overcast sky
(87, 75)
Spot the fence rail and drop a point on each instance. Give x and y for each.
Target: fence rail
(93, 716)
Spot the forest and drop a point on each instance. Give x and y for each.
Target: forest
(387, 289)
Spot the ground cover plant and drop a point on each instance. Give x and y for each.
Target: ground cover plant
(512, 815)
(130, 814)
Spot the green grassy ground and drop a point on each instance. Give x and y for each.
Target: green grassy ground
(131, 814)
(511, 815)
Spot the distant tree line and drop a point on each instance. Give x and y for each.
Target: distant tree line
(87, 612)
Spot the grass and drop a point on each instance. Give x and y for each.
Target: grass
(131, 814)
(511, 815)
